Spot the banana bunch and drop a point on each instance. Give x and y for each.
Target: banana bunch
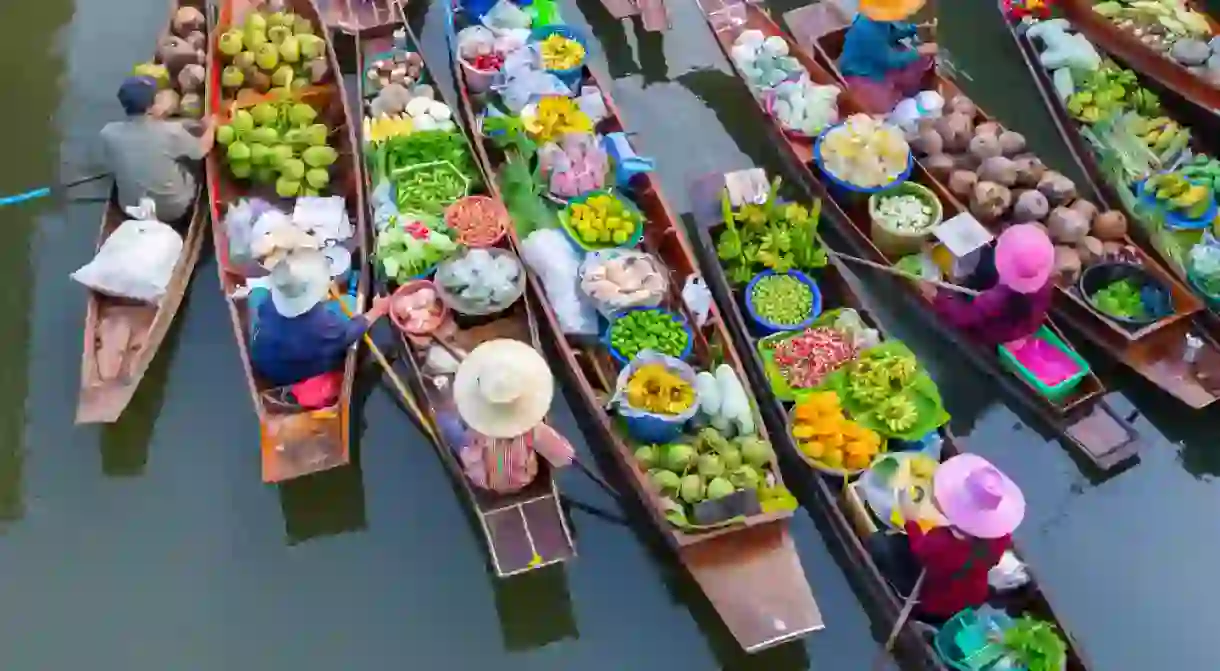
(897, 413)
(1174, 191)
(1108, 90)
(1162, 135)
(1203, 169)
(385, 127)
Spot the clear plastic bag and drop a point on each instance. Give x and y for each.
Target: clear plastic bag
(1009, 574)
(474, 41)
(698, 299)
(506, 16)
(551, 257)
(239, 228)
(1205, 264)
(607, 295)
(862, 337)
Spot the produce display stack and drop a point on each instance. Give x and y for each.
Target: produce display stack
(782, 84)
(179, 65)
(848, 393)
(1150, 159)
(566, 180)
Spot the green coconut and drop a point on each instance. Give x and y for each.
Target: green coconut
(225, 135)
(318, 178)
(646, 456)
(231, 43)
(691, 488)
(238, 152)
(282, 76)
(290, 50)
(321, 157)
(293, 168)
(267, 57)
(719, 488)
(240, 169)
(710, 465)
(259, 154)
(243, 121)
(665, 481)
(286, 187)
(755, 451)
(264, 135)
(265, 114)
(678, 457)
(279, 154)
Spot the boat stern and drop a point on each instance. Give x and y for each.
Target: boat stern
(297, 444)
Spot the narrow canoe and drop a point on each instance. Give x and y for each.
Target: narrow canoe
(749, 572)
(528, 529)
(1108, 187)
(1133, 53)
(1083, 419)
(850, 521)
(293, 442)
(1153, 351)
(123, 337)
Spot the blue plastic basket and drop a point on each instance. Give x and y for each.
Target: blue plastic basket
(771, 327)
(1175, 220)
(690, 338)
(571, 76)
(651, 429)
(840, 188)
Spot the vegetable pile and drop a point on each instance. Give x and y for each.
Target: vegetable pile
(1121, 299)
(1174, 191)
(178, 66)
(402, 68)
(409, 249)
(279, 143)
(273, 52)
(1107, 90)
(1168, 26)
(805, 107)
(481, 280)
(655, 329)
(905, 213)
(764, 61)
(771, 235)
(555, 116)
(826, 436)
(865, 152)
(805, 359)
(603, 220)
(624, 280)
(782, 299)
(576, 164)
(654, 388)
(429, 169)
(478, 220)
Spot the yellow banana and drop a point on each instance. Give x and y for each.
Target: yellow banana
(1191, 197)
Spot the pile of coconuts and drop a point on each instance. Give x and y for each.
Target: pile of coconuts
(988, 168)
(178, 65)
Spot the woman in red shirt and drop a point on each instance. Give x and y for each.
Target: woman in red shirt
(983, 507)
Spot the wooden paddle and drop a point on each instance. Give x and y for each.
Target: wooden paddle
(903, 616)
(900, 273)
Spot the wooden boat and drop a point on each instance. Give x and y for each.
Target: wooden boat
(851, 522)
(1107, 186)
(293, 441)
(359, 15)
(122, 337)
(1153, 351)
(1133, 53)
(749, 572)
(1083, 419)
(525, 530)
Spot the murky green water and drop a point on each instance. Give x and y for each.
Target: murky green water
(153, 545)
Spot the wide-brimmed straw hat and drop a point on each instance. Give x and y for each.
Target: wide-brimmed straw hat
(1024, 258)
(299, 282)
(977, 498)
(503, 388)
(889, 10)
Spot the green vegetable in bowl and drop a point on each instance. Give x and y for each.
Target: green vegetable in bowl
(406, 252)
(782, 299)
(656, 330)
(905, 213)
(1121, 299)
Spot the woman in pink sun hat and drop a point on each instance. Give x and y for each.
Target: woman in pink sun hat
(1016, 289)
(982, 507)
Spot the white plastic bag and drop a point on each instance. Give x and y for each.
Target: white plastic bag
(698, 299)
(325, 217)
(506, 16)
(551, 257)
(137, 260)
(239, 228)
(1008, 574)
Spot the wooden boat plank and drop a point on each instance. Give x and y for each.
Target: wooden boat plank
(585, 368)
(849, 524)
(358, 15)
(1089, 439)
(527, 529)
(1127, 48)
(824, 36)
(109, 379)
(292, 442)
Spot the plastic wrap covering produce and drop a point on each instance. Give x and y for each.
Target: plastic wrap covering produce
(482, 280)
(764, 60)
(551, 257)
(865, 152)
(523, 81)
(137, 260)
(909, 111)
(506, 16)
(1205, 265)
(239, 228)
(805, 107)
(617, 279)
(575, 164)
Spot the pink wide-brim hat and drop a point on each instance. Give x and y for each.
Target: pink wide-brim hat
(977, 498)
(1024, 258)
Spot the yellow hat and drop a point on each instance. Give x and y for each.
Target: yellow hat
(890, 10)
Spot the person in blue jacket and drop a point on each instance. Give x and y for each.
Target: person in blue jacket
(878, 67)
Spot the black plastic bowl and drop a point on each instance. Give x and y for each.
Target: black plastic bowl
(1157, 298)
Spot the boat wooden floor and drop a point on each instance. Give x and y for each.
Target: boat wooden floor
(1084, 420)
(358, 15)
(525, 530)
(1154, 351)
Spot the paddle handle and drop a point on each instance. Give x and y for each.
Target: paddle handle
(903, 616)
(34, 194)
(901, 273)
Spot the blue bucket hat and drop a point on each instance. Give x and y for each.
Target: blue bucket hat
(137, 94)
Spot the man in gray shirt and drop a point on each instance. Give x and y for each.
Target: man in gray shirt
(149, 156)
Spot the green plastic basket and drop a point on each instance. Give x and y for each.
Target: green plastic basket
(1060, 391)
(632, 241)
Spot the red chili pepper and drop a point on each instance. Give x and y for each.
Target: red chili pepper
(418, 230)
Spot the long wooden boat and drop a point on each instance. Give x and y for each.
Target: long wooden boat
(750, 572)
(525, 530)
(850, 521)
(293, 442)
(122, 337)
(1109, 186)
(1154, 351)
(359, 15)
(1133, 53)
(1084, 420)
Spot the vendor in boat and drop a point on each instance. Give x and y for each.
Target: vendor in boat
(982, 508)
(877, 66)
(502, 392)
(151, 157)
(297, 333)
(1015, 279)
